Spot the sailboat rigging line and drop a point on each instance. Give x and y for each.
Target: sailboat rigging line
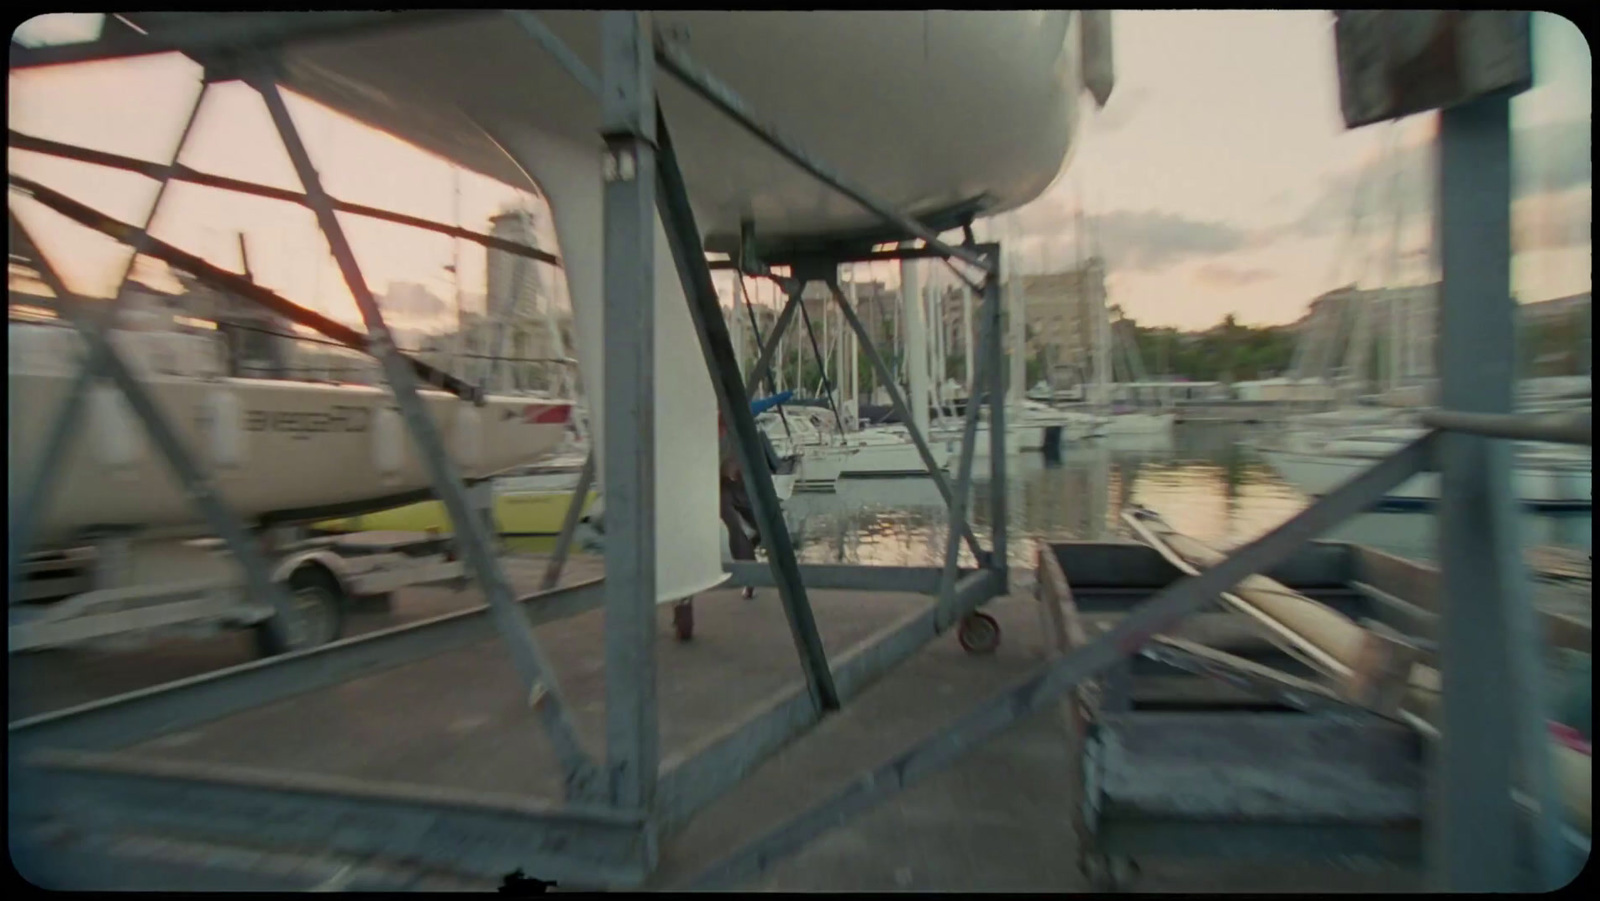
(755, 332)
(822, 364)
(228, 281)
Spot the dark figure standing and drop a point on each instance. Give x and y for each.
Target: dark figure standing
(735, 506)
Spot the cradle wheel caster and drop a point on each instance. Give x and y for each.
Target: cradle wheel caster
(683, 619)
(979, 634)
(1109, 873)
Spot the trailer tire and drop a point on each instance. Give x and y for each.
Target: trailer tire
(318, 599)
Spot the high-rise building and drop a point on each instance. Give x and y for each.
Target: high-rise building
(1063, 309)
(515, 289)
(518, 306)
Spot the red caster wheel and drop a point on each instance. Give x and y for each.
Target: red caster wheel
(683, 619)
(979, 634)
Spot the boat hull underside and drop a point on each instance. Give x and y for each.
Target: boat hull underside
(928, 111)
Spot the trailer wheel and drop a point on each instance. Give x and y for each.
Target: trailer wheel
(979, 634)
(318, 604)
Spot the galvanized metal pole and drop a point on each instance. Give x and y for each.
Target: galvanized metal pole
(569, 525)
(629, 126)
(684, 238)
(915, 347)
(997, 423)
(544, 694)
(1492, 707)
(963, 486)
(968, 351)
(761, 370)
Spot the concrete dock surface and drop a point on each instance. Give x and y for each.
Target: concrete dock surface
(995, 821)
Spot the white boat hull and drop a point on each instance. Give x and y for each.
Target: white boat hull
(292, 446)
(1545, 487)
(822, 466)
(1137, 423)
(1018, 438)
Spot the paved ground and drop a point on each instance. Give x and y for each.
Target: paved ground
(994, 822)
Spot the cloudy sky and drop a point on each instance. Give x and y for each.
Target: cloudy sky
(1218, 179)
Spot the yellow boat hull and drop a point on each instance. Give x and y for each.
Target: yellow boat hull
(514, 514)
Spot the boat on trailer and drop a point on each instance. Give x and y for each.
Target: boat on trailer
(274, 446)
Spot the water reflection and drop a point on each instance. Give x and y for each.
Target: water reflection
(1200, 479)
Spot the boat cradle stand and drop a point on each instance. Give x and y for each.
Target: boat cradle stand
(608, 831)
(68, 766)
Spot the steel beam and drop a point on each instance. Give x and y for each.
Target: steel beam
(845, 577)
(963, 486)
(257, 31)
(536, 29)
(258, 576)
(886, 377)
(569, 525)
(544, 694)
(144, 714)
(675, 61)
(475, 833)
(1572, 428)
(898, 253)
(629, 128)
(706, 310)
(1000, 712)
(233, 283)
(1492, 713)
(822, 361)
(762, 370)
(694, 778)
(999, 520)
(179, 172)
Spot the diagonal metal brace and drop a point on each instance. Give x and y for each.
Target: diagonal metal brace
(969, 438)
(904, 410)
(539, 678)
(231, 282)
(761, 371)
(678, 219)
(39, 488)
(180, 172)
(1000, 712)
(223, 33)
(199, 488)
(677, 62)
(569, 525)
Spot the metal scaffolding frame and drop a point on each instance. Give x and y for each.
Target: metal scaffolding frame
(609, 829)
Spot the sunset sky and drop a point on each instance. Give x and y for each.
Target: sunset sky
(1219, 179)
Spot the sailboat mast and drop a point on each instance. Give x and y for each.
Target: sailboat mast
(457, 363)
(916, 341)
(1019, 313)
